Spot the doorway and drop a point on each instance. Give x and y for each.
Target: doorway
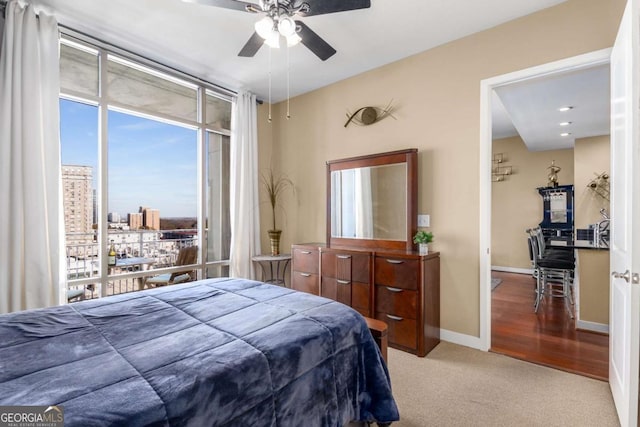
(487, 158)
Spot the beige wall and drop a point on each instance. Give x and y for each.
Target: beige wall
(437, 99)
(592, 156)
(515, 202)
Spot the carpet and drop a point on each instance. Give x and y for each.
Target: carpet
(458, 386)
(495, 283)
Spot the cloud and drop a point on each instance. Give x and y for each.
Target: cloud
(140, 125)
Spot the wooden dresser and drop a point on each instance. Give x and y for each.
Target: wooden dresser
(305, 268)
(400, 288)
(346, 276)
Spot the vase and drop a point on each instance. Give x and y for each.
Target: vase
(423, 248)
(274, 239)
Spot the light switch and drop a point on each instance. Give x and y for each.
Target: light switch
(423, 220)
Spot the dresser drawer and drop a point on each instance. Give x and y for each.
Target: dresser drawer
(305, 282)
(305, 260)
(336, 289)
(361, 297)
(397, 272)
(345, 265)
(360, 268)
(397, 301)
(402, 332)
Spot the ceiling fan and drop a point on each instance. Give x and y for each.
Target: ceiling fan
(279, 21)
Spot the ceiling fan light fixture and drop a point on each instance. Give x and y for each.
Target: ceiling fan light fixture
(293, 39)
(286, 26)
(273, 40)
(264, 27)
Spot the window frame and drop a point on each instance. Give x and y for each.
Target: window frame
(105, 53)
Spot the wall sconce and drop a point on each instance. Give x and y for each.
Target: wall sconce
(600, 185)
(500, 171)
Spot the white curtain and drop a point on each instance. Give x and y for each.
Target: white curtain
(363, 204)
(31, 217)
(1, 27)
(245, 213)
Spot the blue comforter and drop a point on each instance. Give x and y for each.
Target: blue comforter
(220, 352)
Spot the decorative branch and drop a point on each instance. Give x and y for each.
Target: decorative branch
(275, 186)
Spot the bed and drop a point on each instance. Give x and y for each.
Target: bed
(216, 352)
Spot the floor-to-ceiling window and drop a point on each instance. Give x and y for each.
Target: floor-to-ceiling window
(145, 165)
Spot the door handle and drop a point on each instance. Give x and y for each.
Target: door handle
(343, 282)
(396, 318)
(305, 274)
(393, 289)
(344, 256)
(627, 276)
(394, 261)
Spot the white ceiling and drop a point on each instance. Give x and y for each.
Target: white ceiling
(530, 108)
(204, 40)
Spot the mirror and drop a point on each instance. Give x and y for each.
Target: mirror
(367, 204)
(371, 200)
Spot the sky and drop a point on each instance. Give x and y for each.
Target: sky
(150, 163)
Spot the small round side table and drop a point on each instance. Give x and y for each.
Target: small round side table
(273, 267)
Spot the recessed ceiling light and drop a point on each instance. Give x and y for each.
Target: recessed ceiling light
(565, 134)
(567, 108)
(565, 123)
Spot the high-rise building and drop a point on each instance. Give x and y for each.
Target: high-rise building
(135, 221)
(150, 218)
(113, 217)
(95, 206)
(78, 205)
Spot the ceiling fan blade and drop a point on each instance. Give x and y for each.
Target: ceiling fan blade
(321, 7)
(314, 42)
(252, 46)
(227, 4)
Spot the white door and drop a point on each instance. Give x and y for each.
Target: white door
(624, 326)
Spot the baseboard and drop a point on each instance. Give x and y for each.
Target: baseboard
(512, 269)
(461, 339)
(592, 326)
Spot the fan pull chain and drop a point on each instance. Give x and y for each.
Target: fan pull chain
(269, 85)
(288, 97)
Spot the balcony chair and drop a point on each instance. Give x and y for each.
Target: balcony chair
(186, 256)
(75, 295)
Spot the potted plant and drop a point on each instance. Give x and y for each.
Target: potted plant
(275, 185)
(423, 238)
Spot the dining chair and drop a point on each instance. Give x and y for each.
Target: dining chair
(553, 273)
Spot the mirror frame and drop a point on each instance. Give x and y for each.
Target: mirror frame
(408, 156)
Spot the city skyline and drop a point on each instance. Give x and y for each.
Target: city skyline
(150, 163)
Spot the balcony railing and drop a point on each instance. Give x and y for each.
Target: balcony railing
(160, 247)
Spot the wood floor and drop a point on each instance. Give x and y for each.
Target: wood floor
(547, 338)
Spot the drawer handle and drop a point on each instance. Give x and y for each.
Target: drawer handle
(305, 274)
(394, 261)
(394, 317)
(344, 256)
(306, 252)
(343, 282)
(393, 289)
